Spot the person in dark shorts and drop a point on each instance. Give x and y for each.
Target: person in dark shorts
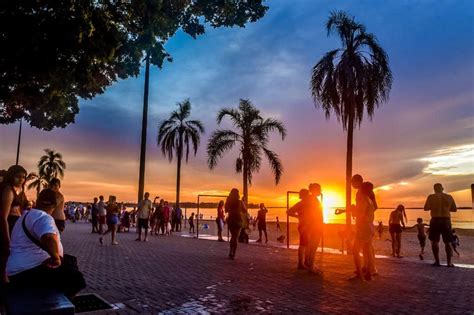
(191, 223)
(395, 224)
(440, 206)
(144, 212)
(262, 223)
(420, 226)
(236, 210)
(95, 216)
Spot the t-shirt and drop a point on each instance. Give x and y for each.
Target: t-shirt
(441, 205)
(102, 210)
(144, 209)
(24, 254)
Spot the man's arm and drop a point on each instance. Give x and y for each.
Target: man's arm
(453, 205)
(294, 211)
(50, 243)
(427, 206)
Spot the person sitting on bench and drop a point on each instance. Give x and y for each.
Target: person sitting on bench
(36, 253)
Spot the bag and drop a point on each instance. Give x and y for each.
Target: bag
(68, 261)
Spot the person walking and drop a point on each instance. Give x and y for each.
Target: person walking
(220, 220)
(262, 223)
(235, 208)
(143, 213)
(191, 223)
(395, 228)
(102, 214)
(112, 214)
(440, 206)
(58, 214)
(95, 216)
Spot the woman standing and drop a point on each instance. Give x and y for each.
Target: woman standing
(12, 202)
(235, 209)
(262, 223)
(220, 220)
(395, 227)
(112, 217)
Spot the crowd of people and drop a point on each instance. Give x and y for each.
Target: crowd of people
(31, 249)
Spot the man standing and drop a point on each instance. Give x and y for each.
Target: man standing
(144, 210)
(95, 216)
(440, 205)
(102, 214)
(58, 214)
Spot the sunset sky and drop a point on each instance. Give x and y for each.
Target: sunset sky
(423, 135)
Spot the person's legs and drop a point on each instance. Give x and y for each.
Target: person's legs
(139, 229)
(356, 256)
(266, 236)
(435, 249)
(394, 243)
(399, 243)
(312, 248)
(259, 235)
(114, 234)
(449, 253)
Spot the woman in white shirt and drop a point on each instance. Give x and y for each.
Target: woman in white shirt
(36, 252)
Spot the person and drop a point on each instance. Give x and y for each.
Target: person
(178, 218)
(364, 215)
(420, 226)
(220, 219)
(112, 215)
(158, 217)
(95, 216)
(316, 225)
(262, 223)
(191, 223)
(455, 241)
(440, 206)
(235, 208)
(125, 222)
(58, 214)
(357, 182)
(301, 211)
(278, 225)
(102, 214)
(12, 201)
(166, 217)
(380, 229)
(37, 257)
(143, 214)
(395, 224)
(71, 212)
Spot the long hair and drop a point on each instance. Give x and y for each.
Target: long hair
(8, 181)
(233, 200)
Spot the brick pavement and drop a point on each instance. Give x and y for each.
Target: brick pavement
(188, 276)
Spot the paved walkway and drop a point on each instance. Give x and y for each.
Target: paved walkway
(183, 275)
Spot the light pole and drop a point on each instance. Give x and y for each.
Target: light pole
(19, 142)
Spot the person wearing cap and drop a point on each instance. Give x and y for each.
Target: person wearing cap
(12, 201)
(36, 252)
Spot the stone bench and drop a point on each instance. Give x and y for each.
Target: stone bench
(37, 301)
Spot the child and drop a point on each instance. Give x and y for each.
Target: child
(421, 235)
(278, 225)
(455, 241)
(380, 229)
(191, 223)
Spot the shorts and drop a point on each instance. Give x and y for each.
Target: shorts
(113, 220)
(440, 226)
(60, 224)
(262, 227)
(395, 228)
(143, 224)
(101, 219)
(422, 240)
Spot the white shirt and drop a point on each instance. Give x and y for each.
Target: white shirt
(102, 210)
(144, 209)
(24, 254)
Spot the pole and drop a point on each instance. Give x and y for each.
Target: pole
(185, 217)
(322, 234)
(19, 142)
(197, 219)
(287, 220)
(141, 179)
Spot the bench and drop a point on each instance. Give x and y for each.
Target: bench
(37, 301)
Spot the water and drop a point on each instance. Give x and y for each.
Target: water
(463, 218)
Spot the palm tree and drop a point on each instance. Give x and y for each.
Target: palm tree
(350, 80)
(51, 165)
(37, 182)
(177, 133)
(251, 134)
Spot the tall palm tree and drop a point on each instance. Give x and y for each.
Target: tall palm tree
(350, 80)
(37, 182)
(51, 165)
(251, 135)
(178, 133)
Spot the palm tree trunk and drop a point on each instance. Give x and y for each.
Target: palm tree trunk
(141, 179)
(350, 143)
(246, 183)
(178, 171)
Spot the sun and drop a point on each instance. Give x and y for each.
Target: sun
(331, 199)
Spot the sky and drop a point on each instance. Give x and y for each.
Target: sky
(424, 134)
